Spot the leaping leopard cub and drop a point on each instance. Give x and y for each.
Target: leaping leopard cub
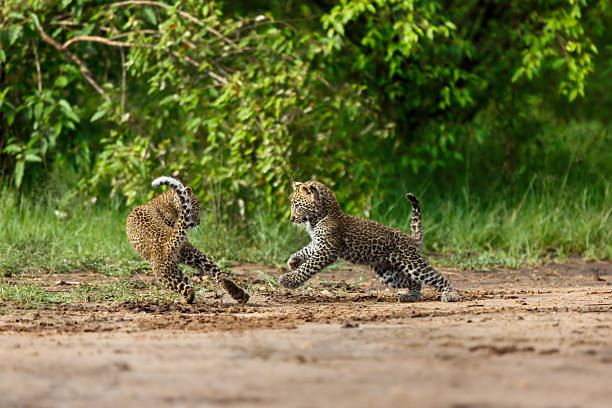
(157, 231)
(393, 254)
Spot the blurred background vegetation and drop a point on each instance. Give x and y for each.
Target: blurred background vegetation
(495, 113)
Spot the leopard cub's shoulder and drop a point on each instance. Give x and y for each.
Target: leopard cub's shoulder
(167, 206)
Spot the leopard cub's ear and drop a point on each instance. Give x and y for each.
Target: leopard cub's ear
(189, 190)
(296, 184)
(312, 191)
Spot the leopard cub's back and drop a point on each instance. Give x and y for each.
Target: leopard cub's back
(369, 242)
(150, 225)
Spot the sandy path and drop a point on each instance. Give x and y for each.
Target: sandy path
(507, 345)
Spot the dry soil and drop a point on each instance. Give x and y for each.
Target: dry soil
(537, 337)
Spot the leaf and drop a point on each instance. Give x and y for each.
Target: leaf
(339, 27)
(13, 33)
(35, 20)
(31, 157)
(450, 25)
(68, 110)
(97, 115)
(149, 15)
(61, 81)
(12, 148)
(3, 93)
(430, 32)
(19, 169)
(517, 74)
(16, 16)
(2, 56)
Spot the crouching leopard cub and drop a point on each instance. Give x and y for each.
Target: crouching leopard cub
(393, 254)
(157, 231)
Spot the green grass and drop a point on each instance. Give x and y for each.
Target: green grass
(119, 291)
(44, 234)
(30, 296)
(544, 223)
(461, 229)
(35, 295)
(556, 203)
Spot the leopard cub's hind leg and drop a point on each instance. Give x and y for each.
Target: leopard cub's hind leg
(413, 271)
(394, 278)
(173, 278)
(193, 257)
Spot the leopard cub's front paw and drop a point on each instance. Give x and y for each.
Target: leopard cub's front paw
(287, 280)
(451, 296)
(293, 263)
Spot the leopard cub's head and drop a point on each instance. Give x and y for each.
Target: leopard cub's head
(311, 201)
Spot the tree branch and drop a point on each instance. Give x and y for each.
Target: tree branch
(38, 72)
(94, 38)
(127, 34)
(122, 80)
(123, 45)
(180, 13)
(197, 64)
(83, 68)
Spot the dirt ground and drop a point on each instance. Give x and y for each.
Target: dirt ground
(539, 337)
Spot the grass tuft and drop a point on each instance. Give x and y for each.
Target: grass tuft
(31, 296)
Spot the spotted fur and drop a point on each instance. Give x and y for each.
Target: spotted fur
(157, 231)
(393, 254)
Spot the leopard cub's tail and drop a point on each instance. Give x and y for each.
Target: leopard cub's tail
(180, 226)
(415, 224)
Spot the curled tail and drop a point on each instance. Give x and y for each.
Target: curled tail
(180, 226)
(415, 224)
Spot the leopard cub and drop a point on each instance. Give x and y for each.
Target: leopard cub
(157, 231)
(393, 254)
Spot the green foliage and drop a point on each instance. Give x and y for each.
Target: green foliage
(138, 90)
(442, 70)
(240, 98)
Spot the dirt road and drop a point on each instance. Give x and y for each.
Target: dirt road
(537, 337)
